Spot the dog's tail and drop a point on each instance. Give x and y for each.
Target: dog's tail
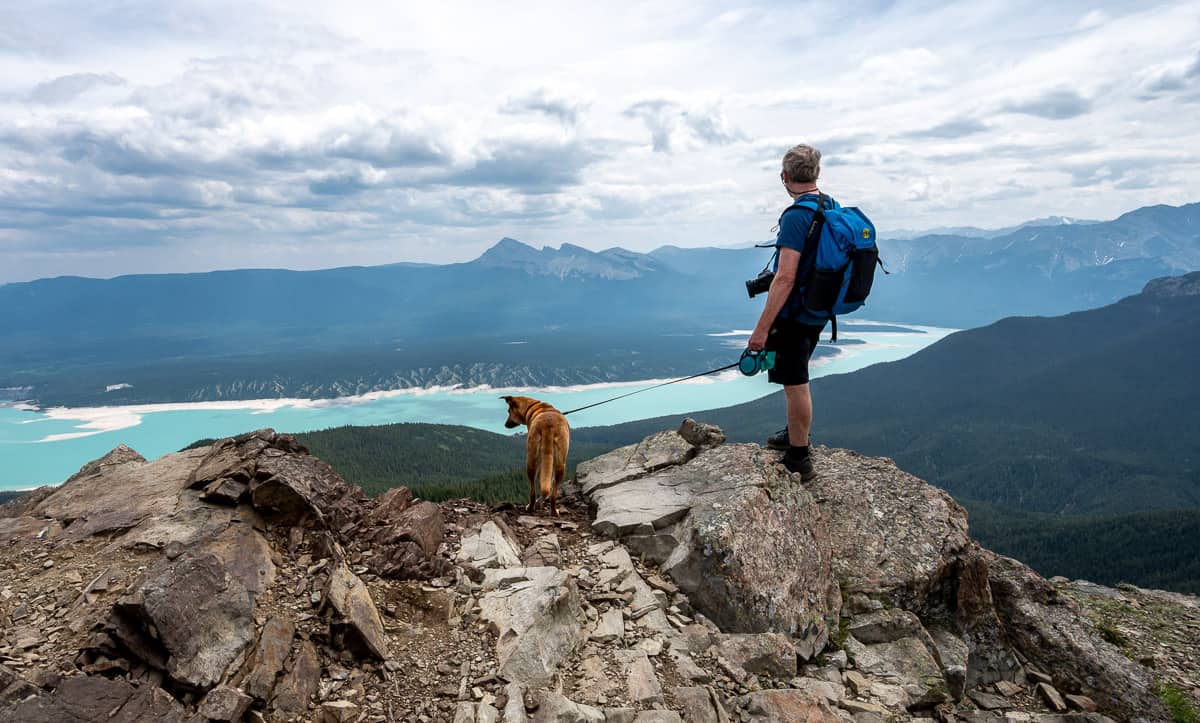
(546, 469)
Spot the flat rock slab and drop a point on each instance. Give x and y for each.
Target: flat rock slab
(119, 496)
(544, 551)
(641, 681)
(535, 613)
(610, 626)
(274, 646)
(759, 653)
(488, 546)
(554, 708)
(94, 698)
(664, 449)
(1050, 631)
(301, 682)
(906, 663)
(700, 705)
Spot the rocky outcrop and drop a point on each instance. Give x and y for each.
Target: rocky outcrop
(865, 551)
(725, 523)
(169, 568)
(700, 582)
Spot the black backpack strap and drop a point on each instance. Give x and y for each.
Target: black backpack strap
(814, 227)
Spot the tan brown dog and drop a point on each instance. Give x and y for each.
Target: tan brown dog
(545, 448)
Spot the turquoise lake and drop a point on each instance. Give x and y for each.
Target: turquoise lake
(47, 446)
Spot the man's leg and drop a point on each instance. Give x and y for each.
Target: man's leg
(799, 413)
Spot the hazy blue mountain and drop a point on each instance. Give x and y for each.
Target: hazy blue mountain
(976, 232)
(274, 332)
(249, 333)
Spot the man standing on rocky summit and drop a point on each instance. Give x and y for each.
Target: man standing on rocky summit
(785, 326)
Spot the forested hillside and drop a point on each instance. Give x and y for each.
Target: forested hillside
(436, 461)
(1149, 549)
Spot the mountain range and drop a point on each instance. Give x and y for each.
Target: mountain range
(976, 232)
(256, 332)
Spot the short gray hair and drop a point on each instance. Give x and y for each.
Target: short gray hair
(802, 164)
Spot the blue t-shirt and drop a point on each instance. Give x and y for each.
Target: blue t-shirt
(793, 229)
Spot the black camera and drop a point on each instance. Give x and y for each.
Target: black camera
(760, 283)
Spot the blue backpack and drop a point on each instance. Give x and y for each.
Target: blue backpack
(837, 266)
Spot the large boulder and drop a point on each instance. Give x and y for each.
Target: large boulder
(732, 529)
(194, 611)
(893, 535)
(120, 495)
(1050, 631)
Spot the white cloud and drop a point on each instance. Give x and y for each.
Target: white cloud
(163, 136)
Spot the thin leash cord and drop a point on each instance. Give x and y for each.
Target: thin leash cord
(656, 386)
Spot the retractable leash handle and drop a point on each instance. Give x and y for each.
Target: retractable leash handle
(753, 362)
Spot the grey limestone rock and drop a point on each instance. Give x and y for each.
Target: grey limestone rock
(788, 706)
(700, 705)
(905, 662)
(554, 708)
(641, 681)
(535, 613)
(489, 546)
(893, 535)
(759, 653)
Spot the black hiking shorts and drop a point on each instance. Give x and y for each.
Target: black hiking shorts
(793, 343)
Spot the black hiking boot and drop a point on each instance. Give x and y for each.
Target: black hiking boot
(797, 460)
(779, 440)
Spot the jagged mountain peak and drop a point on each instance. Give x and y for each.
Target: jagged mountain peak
(568, 260)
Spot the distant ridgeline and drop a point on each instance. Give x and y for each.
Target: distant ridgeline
(1070, 439)
(585, 316)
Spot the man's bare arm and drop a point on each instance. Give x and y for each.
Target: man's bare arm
(777, 296)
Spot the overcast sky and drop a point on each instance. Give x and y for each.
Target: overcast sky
(179, 136)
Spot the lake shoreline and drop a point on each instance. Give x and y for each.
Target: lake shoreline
(45, 446)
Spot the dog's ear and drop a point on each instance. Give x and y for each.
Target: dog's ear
(507, 399)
